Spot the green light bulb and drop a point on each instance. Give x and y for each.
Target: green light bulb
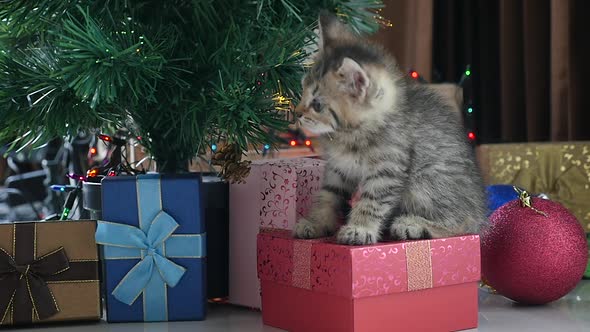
(468, 72)
(470, 110)
(65, 214)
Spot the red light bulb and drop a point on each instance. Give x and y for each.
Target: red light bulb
(471, 135)
(307, 142)
(414, 74)
(112, 173)
(92, 150)
(293, 143)
(105, 138)
(92, 173)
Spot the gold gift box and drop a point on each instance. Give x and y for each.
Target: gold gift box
(50, 272)
(561, 170)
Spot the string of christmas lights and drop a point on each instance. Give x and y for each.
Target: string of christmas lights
(109, 167)
(468, 107)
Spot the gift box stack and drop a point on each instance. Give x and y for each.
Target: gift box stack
(275, 195)
(153, 256)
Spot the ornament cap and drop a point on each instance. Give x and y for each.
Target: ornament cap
(526, 201)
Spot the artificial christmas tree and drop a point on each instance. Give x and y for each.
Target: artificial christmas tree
(179, 75)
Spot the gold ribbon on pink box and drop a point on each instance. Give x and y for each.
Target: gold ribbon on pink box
(287, 260)
(302, 264)
(419, 265)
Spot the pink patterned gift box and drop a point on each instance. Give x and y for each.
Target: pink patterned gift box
(277, 193)
(308, 276)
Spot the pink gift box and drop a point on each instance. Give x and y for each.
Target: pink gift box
(277, 193)
(317, 285)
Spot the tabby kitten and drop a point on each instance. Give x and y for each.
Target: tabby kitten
(396, 141)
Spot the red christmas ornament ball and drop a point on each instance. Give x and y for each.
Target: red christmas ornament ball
(531, 258)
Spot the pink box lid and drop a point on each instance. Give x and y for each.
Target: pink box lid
(362, 271)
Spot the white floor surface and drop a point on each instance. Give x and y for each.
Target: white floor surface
(571, 313)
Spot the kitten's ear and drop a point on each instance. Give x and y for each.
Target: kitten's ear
(330, 30)
(356, 78)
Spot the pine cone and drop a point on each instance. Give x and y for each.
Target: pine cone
(233, 169)
(237, 172)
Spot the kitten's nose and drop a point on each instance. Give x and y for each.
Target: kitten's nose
(299, 110)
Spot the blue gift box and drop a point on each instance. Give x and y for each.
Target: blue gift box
(153, 245)
(498, 195)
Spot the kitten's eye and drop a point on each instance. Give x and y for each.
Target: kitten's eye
(315, 105)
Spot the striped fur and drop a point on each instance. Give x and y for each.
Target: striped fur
(395, 141)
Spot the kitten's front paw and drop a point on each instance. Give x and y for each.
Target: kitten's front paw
(306, 229)
(408, 228)
(357, 235)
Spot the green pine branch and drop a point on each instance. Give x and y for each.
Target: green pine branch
(182, 74)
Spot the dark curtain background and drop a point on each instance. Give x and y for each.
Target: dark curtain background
(530, 64)
(410, 37)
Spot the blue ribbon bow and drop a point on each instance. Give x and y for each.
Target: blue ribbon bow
(119, 235)
(153, 244)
